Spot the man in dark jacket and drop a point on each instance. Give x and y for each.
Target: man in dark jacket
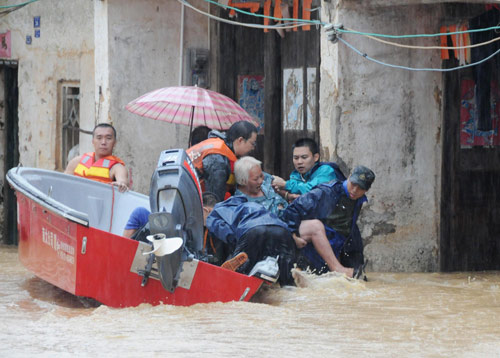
(323, 222)
(247, 227)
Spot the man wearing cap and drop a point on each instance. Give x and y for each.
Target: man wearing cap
(323, 222)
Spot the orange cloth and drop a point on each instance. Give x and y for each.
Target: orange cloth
(306, 13)
(444, 43)
(267, 12)
(458, 40)
(252, 6)
(295, 12)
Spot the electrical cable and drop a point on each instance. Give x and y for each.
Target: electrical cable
(373, 36)
(432, 47)
(18, 5)
(417, 35)
(413, 68)
(308, 22)
(256, 26)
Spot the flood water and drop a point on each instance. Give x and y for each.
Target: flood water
(407, 315)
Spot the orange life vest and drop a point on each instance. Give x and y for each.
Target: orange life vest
(96, 170)
(212, 146)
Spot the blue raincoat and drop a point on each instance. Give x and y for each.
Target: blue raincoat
(231, 219)
(319, 203)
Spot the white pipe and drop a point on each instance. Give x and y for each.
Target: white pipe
(181, 47)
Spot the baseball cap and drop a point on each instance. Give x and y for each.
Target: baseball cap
(363, 177)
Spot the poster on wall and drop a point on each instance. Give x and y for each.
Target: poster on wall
(311, 98)
(293, 90)
(5, 45)
(470, 135)
(251, 97)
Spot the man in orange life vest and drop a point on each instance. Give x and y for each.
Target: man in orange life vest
(101, 165)
(214, 157)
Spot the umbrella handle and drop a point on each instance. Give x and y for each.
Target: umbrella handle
(191, 127)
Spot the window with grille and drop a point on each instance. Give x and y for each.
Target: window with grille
(70, 120)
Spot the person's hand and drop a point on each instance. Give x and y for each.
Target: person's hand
(291, 197)
(278, 183)
(299, 242)
(122, 187)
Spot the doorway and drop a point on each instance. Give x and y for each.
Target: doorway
(470, 195)
(287, 67)
(11, 149)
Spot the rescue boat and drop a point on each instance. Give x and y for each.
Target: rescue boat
(70, 235)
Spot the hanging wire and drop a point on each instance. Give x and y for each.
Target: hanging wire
(346, 31)
(18, 5)
(256, 26)
(373, 36)
(433, 47)
(12, 8)
(308, 22)
(413, 68)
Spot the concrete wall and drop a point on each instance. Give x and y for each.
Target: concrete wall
(117, 51)
(389, 120)
(144, 55)
(64, 51)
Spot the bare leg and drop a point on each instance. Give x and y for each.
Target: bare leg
(314, 231)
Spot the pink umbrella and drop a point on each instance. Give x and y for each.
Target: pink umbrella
(191, 106)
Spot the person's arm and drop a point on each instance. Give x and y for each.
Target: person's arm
(323, 174)
(216, 172)
(220, 228)
(120, 175)
(316, 204)
(70, 168)
(128, 233)
(278, 183)
(137, 219)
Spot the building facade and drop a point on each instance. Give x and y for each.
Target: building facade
(434, 204)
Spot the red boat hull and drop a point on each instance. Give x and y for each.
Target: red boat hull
(93, 263)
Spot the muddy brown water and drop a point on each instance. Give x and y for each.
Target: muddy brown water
(391, 315)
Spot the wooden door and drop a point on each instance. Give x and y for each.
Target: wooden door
(470, 196)
(11, 131)
(300, 61)
(240, 69)
(290, 111)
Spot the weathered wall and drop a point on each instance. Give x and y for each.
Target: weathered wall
(64, 51)
(389, 120)
(144, 55)
(117, 51)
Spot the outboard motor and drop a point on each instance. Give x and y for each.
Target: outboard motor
(176, 204)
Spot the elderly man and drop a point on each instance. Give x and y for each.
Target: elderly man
(253, 233)
(101, 165)
(325, 221)
(256, 185)
(214, 157)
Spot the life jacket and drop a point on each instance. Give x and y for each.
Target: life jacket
(96, 170)
(212, 146)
